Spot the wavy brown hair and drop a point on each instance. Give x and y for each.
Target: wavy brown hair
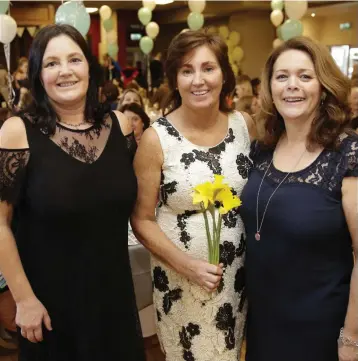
(184, 43)
(333, 113)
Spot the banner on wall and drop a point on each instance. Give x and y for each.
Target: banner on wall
(20, 31)
(31, 30)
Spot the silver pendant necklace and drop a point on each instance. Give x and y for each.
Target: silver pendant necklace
(259, 224)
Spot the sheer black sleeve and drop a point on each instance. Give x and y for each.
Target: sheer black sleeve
(12, 173)
(131, 145)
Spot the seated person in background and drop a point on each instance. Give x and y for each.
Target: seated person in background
(244, 104)
(138, 117)
(110, 95)
(243, 86)
(131, 96)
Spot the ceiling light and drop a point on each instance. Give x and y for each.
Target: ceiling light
(91, 10)
(313, 15)
(163, 2)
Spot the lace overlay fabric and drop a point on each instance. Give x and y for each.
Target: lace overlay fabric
(326, 172)
(194, 325)
(12, 169)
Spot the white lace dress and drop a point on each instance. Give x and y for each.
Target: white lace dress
(194, 325)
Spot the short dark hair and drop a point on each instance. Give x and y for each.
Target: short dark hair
(110, 91)
(40, 111)
(137, 109)
(181, 45)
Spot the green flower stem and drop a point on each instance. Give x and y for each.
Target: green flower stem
(208, 236)
(218, 237)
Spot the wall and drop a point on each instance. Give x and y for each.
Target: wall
(326, 29)
(257, 35)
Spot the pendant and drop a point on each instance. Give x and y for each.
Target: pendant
(257, 236)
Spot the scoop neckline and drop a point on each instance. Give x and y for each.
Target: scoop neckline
(204, 146)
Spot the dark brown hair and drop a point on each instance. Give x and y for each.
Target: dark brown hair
(333, 112)
(184, 43)
(137, 109)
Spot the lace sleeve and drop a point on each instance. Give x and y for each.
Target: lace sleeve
(12, 170)
(131, 145)
(351, 156)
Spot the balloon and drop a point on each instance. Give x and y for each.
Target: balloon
(146, 44)
(8, 29)
(235, 69)
(195, 21)
(196, 6)
(152, 30)
(291, 29)
(112, 50)
(4, 6)
(184, 30)
(145, 15)
(108, 24)
(105, 11)
(237, 54)
(276, 17)
(295, 9)
(75, 14)
(149, 4)
(277, 5)
(234, 38)
(112, 37)
(277, 42)
(224, 31)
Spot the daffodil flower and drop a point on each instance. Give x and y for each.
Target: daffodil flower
(204, 193)
(227, 201)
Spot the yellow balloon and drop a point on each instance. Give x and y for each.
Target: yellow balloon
(296, 9)
(237, 54)
(149, 4)
(234, 37)
(224, 32)
(277, 42)
(235, 69)
(105, 11)
(152, 29)
(196, 6)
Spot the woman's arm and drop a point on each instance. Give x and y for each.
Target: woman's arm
(148, 164)
(350, 207)
(251, 126)
(30, 312)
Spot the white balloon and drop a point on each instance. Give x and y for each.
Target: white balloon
(8, 28)
(149, 4)
(276, 17)
(197, 6)
(152, 29)
(224, 31)
(105, 11)
(296, 9)
(277, 42)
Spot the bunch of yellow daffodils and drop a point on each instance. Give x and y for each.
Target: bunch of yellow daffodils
(210, 196)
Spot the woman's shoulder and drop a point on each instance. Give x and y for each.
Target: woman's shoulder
(13, 134)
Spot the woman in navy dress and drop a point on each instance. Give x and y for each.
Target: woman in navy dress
(300, 213)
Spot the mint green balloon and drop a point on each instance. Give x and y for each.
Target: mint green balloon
(75, 14)
(146, 44)
(195, 21)
(108, 25)
(112, 50)
(290, 29)
(4, 6)
(145, 15)
(277, 5)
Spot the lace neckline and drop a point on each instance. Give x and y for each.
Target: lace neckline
(76, 130)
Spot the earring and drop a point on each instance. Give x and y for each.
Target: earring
(323, 97)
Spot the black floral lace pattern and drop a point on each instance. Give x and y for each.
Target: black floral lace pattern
(326, 172)
(185, 237)
(186, 336)
(170, 129)
(12, 170)
(225, 321)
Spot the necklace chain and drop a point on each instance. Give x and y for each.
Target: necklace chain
(259, 224)
(74, 125)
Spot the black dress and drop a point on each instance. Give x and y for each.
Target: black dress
(73, 194)
(298, 274)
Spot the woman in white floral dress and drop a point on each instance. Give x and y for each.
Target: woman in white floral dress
(201, 308)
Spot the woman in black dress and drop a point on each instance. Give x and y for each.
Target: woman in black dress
(300, 210)
(66, 171)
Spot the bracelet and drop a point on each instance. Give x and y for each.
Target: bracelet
(346, 341)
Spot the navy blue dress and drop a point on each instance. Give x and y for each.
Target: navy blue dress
(298, 274)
